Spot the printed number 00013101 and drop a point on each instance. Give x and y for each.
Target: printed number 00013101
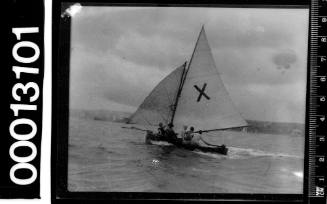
(32, 90)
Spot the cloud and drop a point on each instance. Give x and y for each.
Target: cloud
(120, 54)
(110, 78)
(164, 35)
(255, 66)
(153, 51)
(271, 103)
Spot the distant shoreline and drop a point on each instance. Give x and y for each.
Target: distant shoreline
(254, 125)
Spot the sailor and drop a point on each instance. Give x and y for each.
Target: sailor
(180, 137)
(195, 142)
(188, 136)
(161, 130)
(170, 133)
(183, 132)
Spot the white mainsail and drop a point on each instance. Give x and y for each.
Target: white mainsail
(193, 97)
(158, 106)
(204, 102)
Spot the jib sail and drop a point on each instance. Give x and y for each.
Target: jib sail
(158, 106)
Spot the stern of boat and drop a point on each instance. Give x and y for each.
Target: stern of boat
(223, 149)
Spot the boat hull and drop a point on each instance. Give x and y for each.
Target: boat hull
(150, 136)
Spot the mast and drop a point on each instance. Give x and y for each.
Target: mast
(184, 77)
(178, 93)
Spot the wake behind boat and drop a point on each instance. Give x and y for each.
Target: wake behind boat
(193, 95)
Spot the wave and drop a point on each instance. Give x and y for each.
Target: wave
(237, 152)
(244, 153)
(233, 152)
(161, 143)
(213, 155)
(103, 149)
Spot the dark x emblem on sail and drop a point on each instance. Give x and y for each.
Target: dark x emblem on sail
(201, 91)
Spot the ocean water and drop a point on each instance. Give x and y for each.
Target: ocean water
(105, 157)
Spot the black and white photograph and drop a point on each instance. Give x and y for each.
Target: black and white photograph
(187, 99)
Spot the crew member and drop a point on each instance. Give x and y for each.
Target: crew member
(161, 129)
(195, 142)
(170, 134)
(183, 132)
(188, 136)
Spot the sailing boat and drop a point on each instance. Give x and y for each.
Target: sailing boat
(194, 95)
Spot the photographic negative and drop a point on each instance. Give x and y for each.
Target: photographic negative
(236, 75)
(182, 102)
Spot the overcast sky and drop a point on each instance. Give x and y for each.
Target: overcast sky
(119, 54)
